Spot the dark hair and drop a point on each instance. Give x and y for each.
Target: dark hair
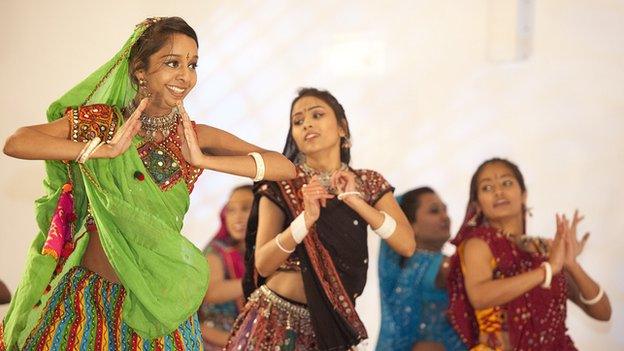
(290, 148)
(410, 201)
(474, 186)
(153, 39)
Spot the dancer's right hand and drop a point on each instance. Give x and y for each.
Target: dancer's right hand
(122, 140)
(314, 196)
(558, 246)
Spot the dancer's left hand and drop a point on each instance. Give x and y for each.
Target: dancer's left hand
(573, 245)
(188, 139)
(343, 181)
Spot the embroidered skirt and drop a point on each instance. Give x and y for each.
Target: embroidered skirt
(270, 322)
(84, 313)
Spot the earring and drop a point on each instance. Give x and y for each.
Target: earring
(143, 88)
(473, 221)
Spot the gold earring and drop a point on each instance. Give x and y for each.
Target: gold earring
(143, 88)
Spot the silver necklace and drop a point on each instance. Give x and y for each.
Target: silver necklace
(151, 125)
(324, 177)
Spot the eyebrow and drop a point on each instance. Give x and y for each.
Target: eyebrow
(176, 55)
(311, 108)
(506, 175)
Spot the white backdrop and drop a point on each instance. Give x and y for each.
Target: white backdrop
(425, 101)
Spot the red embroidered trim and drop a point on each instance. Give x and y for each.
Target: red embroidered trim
(87, 122)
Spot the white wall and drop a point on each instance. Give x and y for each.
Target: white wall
(425, 104)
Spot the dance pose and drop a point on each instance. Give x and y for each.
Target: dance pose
(307, 241)
(508, 291)
(414, 299)
(109, 268)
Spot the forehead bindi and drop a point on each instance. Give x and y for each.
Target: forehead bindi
(495, 172)
(308, 103)
(178, 46)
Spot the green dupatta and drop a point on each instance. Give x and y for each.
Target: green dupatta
(164, 274)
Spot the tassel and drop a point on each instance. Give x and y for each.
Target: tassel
(59, 242)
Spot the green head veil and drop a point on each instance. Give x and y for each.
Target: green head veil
(165, 275)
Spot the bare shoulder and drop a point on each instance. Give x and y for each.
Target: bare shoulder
(476, 247)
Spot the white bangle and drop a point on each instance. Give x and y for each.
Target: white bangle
(548, 277)
(260, 168)
(277, 241)
(298, 228)
(349, 193)
(88, 150)
(387, 228)
(593, 301)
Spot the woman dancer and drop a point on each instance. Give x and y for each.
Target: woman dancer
(414, 300)
(508, 291)
(109, 268)
(225, 255)
(307, 241)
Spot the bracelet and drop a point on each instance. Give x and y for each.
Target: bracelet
(88, 150)
(387, 228)
(82, 152)
(349, 193)
(548, 272)
(260, 168)
(87, 155)
(96, 149)
(277, 241)
(593, 301)
(298, 228)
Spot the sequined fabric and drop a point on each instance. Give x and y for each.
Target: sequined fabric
(87, 122)
(268, 322)
(333, 256)
(165, 163)
(533, 321)
(413, 308)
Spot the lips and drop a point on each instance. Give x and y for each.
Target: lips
(310, 136)
(501, 202)
(176, 91)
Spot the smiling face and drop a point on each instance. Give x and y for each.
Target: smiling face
(170, 73)
(499, 194)
(237, 213)
(314, 126)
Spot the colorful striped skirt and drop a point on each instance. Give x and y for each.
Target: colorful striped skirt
(84, 313)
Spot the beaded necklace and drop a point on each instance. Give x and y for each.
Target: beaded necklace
(324, 177)
(154, 124)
